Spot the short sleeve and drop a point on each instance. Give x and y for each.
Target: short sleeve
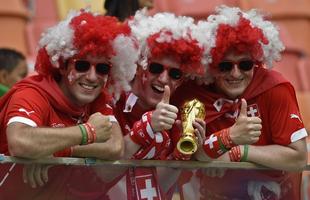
(27, 106)
(285, 122)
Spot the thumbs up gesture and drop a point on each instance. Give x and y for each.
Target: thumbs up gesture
(164, 115)
(246, 130)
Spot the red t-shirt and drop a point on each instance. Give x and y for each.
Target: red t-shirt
(270, 97)
(31, 104)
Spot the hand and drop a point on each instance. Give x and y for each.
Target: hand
(102, 126)
(164, 115)
(200, 132)
(246, 130)
(214, 172)
(36, 174)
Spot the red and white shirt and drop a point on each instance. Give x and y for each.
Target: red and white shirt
(270, 97)
(32, 105)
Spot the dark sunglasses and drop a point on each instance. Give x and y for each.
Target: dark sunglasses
(174, 73)
(244, 65)
(84, 66)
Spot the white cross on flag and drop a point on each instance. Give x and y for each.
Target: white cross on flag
(253, 111)
(147, 188)
(210, 141)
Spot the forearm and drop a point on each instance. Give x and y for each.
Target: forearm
(112, 149)
(29, 142)
(130, 147)
(289, 158)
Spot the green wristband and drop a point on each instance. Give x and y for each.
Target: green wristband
(84, 134)
(245, 153)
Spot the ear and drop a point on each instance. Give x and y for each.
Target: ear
(63, 70)
(4, 77)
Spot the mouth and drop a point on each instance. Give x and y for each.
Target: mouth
(158, 89)
(234, 81)
(88, 87)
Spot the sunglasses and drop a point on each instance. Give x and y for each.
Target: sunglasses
(174, 73)
(84, 65)
(244, 65)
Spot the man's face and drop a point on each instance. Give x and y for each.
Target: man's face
(83, 79)
(17, 74)
(234, 74)
(160, 72)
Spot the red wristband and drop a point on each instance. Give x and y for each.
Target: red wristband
(158, 149)
(141, 132)
(213, 146)
(91, 133)
(226, 139)
(235, 154)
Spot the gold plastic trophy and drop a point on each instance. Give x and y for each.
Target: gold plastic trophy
(190, 110)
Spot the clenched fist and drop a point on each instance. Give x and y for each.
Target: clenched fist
(102, 125)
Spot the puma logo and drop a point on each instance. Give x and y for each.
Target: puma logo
(23, 110)
(294, 116)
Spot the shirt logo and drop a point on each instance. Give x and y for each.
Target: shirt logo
(294, 116)
(25, 111)
(253, 111)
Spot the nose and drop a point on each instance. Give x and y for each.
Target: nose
(235, 72)
(164, 76)
(92, 74)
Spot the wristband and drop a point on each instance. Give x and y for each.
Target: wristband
(84, 134)
(142, 132)
(213, 145)
(245, 153)
(91, 133)
(158, 149)
(226, 139)
(235, 154)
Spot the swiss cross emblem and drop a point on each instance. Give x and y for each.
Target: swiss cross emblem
(146, 187)
(253, 111)
(210, 141)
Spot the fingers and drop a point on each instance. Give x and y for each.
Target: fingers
(35, 174)
(166, 95)
(200, 129)
(243, 109)
(178, 124)
(214, 172)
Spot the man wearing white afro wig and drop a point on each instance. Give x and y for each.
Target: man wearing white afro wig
(252, 112)
(168, 53)
(63, 110)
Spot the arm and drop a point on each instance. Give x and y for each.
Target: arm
(290, 158)
(35, 142)
(32, 142)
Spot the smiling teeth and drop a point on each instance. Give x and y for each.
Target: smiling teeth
(234, 81)
(89, 87)
(161, 89)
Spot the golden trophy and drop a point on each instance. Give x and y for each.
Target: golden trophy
(190, 110)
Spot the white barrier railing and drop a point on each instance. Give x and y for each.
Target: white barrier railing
(137, 163)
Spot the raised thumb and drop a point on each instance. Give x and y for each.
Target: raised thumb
(166, 95)
(243, 109)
